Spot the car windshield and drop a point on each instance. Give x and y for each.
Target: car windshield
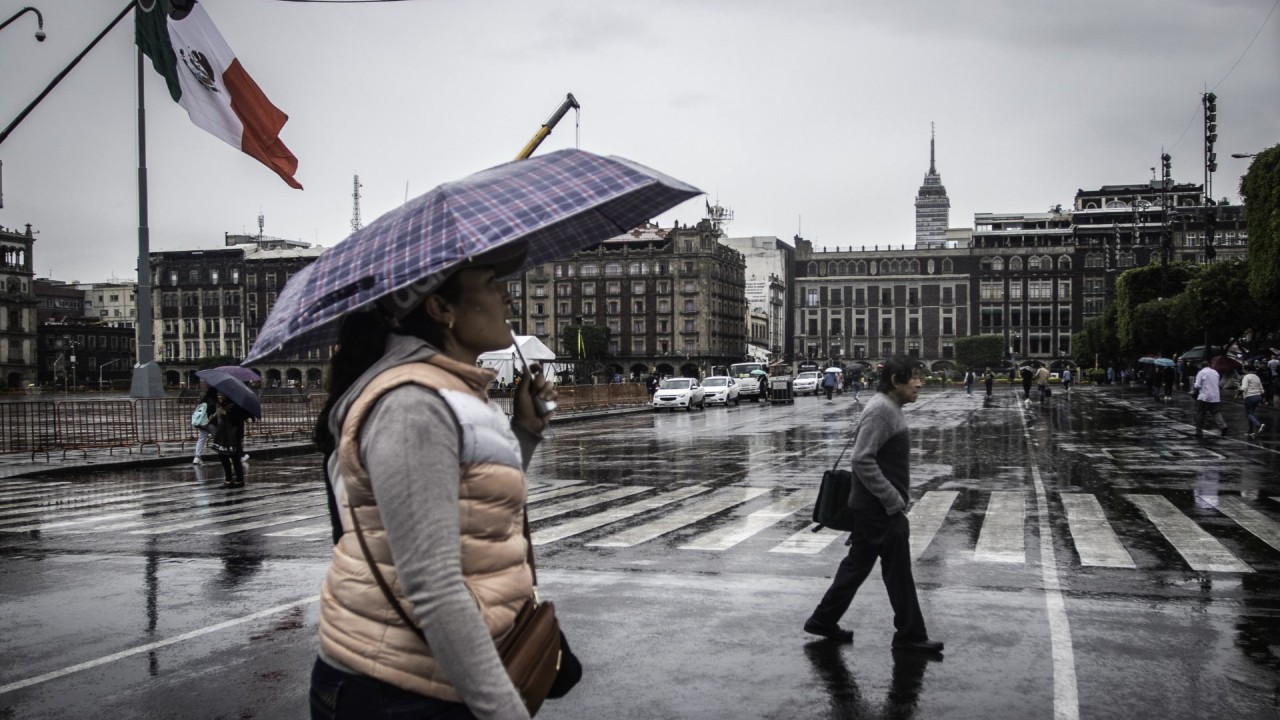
(677, 384)
(715, 382)
(807, 376)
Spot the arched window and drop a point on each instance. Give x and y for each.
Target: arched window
(913, 266)
(634, 269)
(842, 268)
(1093, 260)
(884, 267)
(1015, 263)
(612, 269)
(997, 264)
(894, 267)
(833, 268)
(985, 263)
(1033, 263)
(947, 266)
(1064, 262)
(862, 267)
(812, 270)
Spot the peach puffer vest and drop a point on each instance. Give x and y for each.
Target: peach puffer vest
(358, 627)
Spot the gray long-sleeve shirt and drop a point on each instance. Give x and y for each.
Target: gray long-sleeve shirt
(409, 445)
(881, 458)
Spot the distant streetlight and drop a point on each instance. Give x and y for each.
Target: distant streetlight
(1241, 156)
(40, 36)
(101, 367)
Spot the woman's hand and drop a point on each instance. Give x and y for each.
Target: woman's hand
(524, 409)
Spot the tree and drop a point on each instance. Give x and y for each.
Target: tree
(1142, 285)
(979, 351)
(1260, 188)
(1161, 326)
(1097, 342)
(594, 343)
(1219, 303)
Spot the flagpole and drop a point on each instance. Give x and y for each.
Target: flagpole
(146, 373)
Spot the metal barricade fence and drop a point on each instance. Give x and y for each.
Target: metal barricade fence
(28, 427)
(288, 416)
(161, 420)
(95, 424)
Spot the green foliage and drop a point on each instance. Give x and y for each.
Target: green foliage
(1160, 327)
(979, 351)
(1219, 302)
(594, 344)
(214, 361)
(1142, 285)
(1260, 188)
(1098, 340)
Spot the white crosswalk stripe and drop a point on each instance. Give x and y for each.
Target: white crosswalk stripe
(1095, 541)
(808, 541)
(1266, 529)
(1002, 536)
(687, 515)
(1200, 549)
(542, 512)
(580, 525)
(926, 517)
(735, 532)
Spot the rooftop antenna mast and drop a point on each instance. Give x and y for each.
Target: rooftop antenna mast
(355, 204)
(261, 222)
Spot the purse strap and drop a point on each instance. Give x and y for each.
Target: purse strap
(386, 589)
(849, 444)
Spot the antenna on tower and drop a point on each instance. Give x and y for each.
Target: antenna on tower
(355, 204)
(719, 215)
(261, 222)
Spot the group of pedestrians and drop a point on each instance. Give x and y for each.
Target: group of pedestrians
(220, 424)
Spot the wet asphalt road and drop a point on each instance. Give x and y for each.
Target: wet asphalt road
(1089, 558)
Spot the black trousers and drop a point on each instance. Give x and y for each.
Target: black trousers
(337, 695)
(887, 538)
(232, 463)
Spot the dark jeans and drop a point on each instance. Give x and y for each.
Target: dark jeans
(876, 535)
(230, 462)
(1251, 404)
(336, 695)
(1206, 409)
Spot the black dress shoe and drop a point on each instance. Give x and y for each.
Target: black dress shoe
(922, 646)
(828, 631)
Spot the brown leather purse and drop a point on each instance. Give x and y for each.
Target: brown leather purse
(534, 650)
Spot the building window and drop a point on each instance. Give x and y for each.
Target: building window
(637, 306)
(859, 326)
(588, 288)
(1015, 264)
(637, 287)
(613, 287)
(664, 305)
(886, 298)
(688, 305)
(1040, 289)
(213, 277)
(946, 296)
(886, 326)
(590, 270)
(835, 326)
(811, 297)
(991, 290)
(913, 348)
(913, 296)
(913, 326)
(664, 287)
(1015, 290)
(813, 326)
(563, 307)
(948, 350)
(689, 325)
(690, 286)
(1064, 290)
(540, 328)
(886, 348)
(948, 326)
(539, 291)
(611, 307)
(637, 346)
(588, 307)
(860, 297)
(997, 264)
(637, 326)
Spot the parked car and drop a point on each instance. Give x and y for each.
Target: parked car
(679, 393)
(722, 390)
(807, 382)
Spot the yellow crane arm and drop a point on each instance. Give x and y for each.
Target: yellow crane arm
(545, 130)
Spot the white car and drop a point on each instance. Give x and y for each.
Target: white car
(679, 393)
(720, 389)
(807, 382)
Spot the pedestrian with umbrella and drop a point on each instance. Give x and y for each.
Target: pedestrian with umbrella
(236, 404)
(425, 476)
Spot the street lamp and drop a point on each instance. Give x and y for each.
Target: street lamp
(101, 367)
(40, 36)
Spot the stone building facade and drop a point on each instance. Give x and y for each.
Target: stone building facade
(18, 309)
(673, 301)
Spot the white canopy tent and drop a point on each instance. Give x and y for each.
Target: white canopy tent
(507, 362)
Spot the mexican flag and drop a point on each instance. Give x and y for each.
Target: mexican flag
(207, 80)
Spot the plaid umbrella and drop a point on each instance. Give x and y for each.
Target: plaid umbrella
(556, 203)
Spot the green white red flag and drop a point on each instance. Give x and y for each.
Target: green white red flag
(207, 80)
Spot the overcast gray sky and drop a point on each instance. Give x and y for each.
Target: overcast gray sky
(809, 115)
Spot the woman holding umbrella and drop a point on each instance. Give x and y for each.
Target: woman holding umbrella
(228, 440)
(409, 425)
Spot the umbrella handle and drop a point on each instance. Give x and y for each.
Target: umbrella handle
(542, 407)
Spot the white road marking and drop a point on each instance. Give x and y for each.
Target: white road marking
(721, 500)
(578, 503)
(735, 532)
(1251, 519)
(591, 522)
(1094, 539)
(82, 501)
(926, 517)
(153, 646)
(571, 489)
(1002, 536)
(186, 501)
(808, 542)
(1066, 698)
(304, 531)
(256, 510)
(1200, 549)
(260, 524)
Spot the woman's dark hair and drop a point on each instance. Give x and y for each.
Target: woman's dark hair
(210, 396)
(362, 341)
(897, 370)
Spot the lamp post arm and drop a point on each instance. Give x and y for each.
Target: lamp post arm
(39, 20)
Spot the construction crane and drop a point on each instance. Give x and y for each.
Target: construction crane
(355, 204)
(548, 126)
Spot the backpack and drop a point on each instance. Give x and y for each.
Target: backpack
(200, 417)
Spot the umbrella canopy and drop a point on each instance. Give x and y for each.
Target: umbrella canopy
(1225, 363)
(1164, 362)
(240, 373)
(236, 391)
(758, 372)
(1149, 360)
(1196, 354)
(833, 370)
(555, 204)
